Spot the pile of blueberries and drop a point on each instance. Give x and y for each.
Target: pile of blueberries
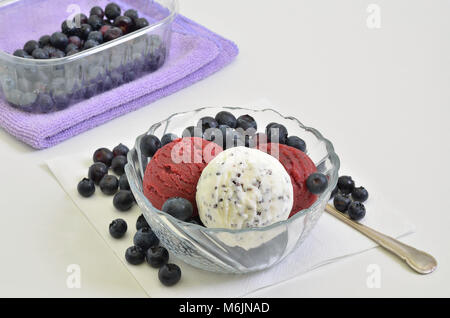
(84, 33)
(349, 199)
(146, 243)
(104, 159)
(228, 131)
(44, 89)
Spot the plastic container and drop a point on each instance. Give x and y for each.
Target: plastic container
(225, 250)
(43, 86)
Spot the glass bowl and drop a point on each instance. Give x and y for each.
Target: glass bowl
(225, 250)
(44, 86)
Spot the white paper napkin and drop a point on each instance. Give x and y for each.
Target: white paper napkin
(328, 242)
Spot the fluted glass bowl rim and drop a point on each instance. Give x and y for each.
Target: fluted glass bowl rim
(334, 159)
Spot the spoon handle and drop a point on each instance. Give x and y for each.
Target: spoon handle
(420, 261)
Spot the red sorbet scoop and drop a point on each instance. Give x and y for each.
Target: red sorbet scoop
(175, 169)
(299, 166)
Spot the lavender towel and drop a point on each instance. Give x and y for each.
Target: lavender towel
(196, 53)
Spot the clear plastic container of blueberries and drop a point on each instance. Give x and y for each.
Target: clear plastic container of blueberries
(49, 85)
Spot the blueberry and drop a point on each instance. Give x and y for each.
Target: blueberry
(89, 44)
(129, 76)
(97, 171)
(71, 47)
(145, 238)
(196, 220)
(57, 54)
(346, 185)
(341, 202)
(192, 131)
(356, 210)
(62, 100)
(246, 122)
(157, 256)
(103, 155)
(66, 27)
(73, 52)
(75, 40)
(169, 274)
(70, 28)
(226, 118)
(95, 22)
(80, 19)
(141, 222)
(223, 134)
(259, 139)
(317, 183)
(98, 12)
(85, 30)
(360, 194)
(117, 78)
(112, 34)
(123, 182)
(107, 83)
(334, 192)
(134, 255)
(45, 103)
(188, 131)
(118, 165)
(168, 138)
(118, 228)
(215, 134)
(49, 49)
(112, 11)
(141, 23)
(233, 138)
(105, 29)
(90, 90)
(59, 40)
(132, 14)
(86, 187)
(124, 23)
(276, 133)
(40, 54)
(96, 36)
(296, 142)
(30, 46)
(123, 200)
(44, 40)
(109, 184)
(120, 150)
(179, 208)
(246, 138)
(150, 145)
(21, 53)
(207, 123)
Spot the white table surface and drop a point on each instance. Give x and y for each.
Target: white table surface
(381, 95)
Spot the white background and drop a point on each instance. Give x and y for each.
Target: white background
(381, 95)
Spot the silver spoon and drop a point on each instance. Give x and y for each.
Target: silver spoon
(420, 261)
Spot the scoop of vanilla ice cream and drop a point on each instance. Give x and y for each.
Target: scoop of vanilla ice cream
(244, 188)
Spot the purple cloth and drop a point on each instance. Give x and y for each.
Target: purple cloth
(196, 53)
